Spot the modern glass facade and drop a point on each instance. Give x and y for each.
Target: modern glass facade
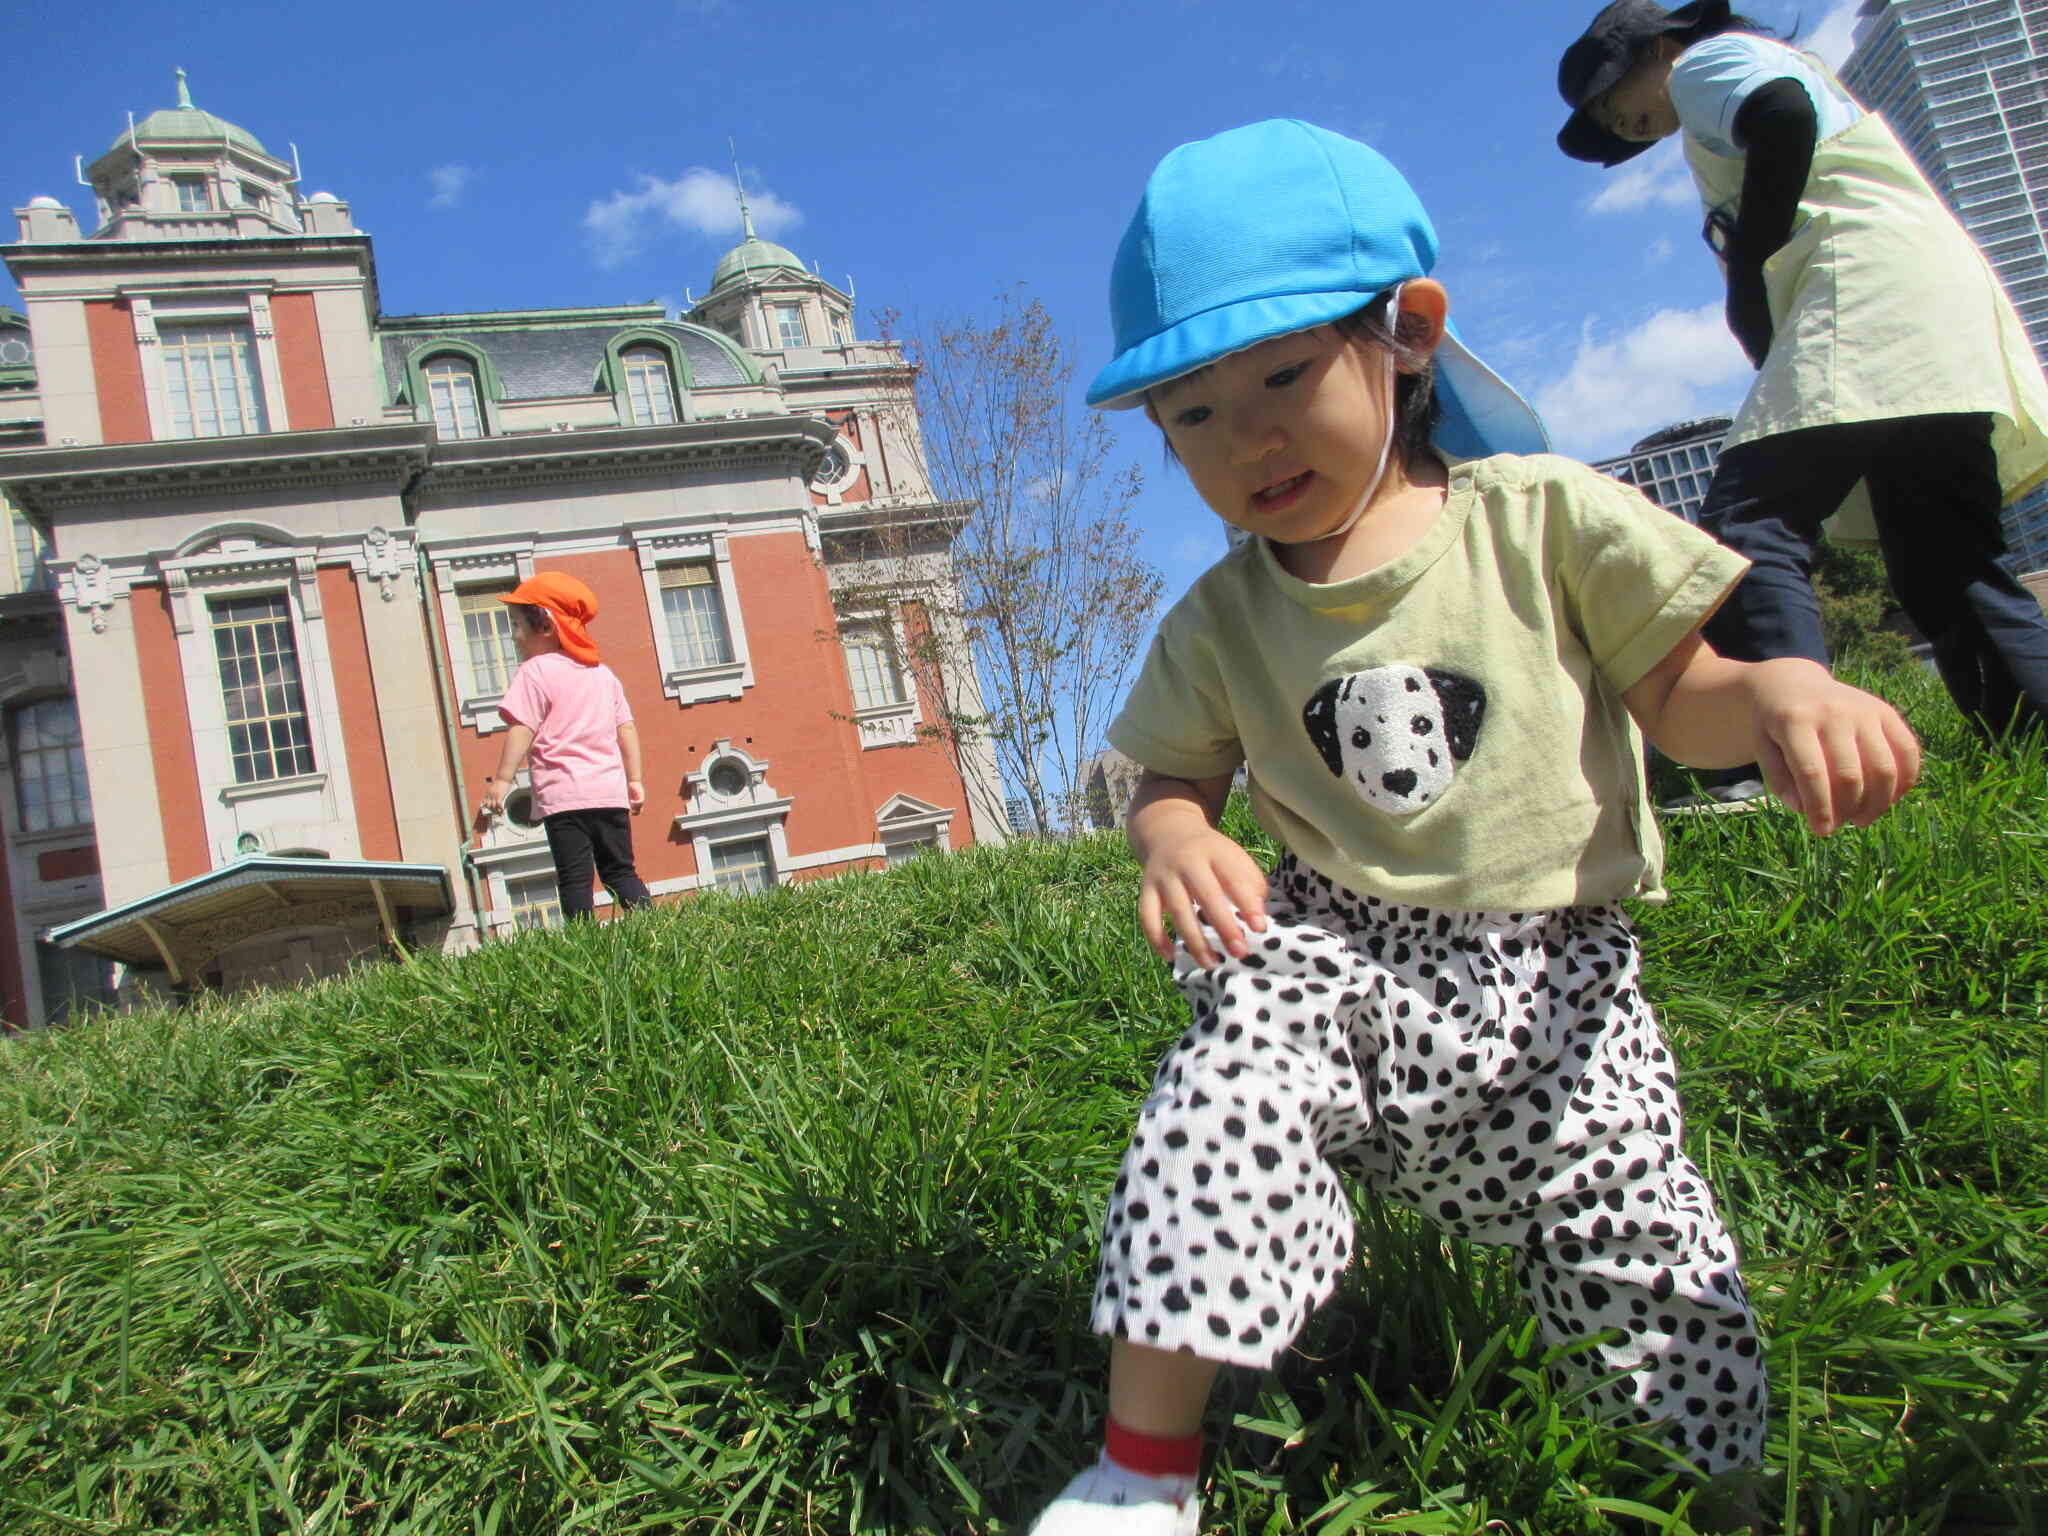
(1673, 467)
(1964, 84)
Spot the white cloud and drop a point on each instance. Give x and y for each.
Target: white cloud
(1660, 251)
(1655, 179)
(699, 201)
(448, 182)
(1835, 35)
(1678, 364)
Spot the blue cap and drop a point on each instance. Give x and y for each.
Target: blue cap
(1270, 229)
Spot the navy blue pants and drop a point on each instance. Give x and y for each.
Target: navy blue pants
(1934, 487)
(599, 840)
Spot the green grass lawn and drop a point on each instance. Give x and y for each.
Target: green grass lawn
(778, 1214)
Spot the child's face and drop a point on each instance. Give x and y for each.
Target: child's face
(530, 641)
(1637, 107)
(1284, 438)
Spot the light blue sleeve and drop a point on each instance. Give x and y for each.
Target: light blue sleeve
(1711, 80)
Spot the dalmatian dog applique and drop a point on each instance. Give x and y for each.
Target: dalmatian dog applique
(1396, 733)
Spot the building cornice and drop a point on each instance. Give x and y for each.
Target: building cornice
(251, 250)
(47, 481)
(621, 453)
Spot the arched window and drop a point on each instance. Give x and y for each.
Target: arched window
(49, 766)
(650, 386)
(452, 394)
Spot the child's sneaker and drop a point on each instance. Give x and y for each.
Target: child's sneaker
(1109, 1500)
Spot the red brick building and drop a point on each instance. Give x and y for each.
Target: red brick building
(251, 651)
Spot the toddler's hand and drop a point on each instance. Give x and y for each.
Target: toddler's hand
(636, 795)
(1835, 754)
(1202, 877)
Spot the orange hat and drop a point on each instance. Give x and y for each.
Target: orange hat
(569, 603)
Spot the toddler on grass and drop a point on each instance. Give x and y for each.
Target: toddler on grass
(566, 705)
(1433, 656)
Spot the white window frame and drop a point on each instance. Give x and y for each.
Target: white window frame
(714, 880)
(904, 821)
(884, 725)
(462, 366)
(247, 305)
(637, 354)
(505, 564)
(277, 612)
(655, 547)
(182, 181)
(462, 595)
(315, 809)
(73, 753)
(779, 312)
(755, 810)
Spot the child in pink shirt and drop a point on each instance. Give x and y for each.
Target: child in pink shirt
(566, 705)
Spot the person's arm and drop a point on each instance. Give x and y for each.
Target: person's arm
(1835, 754)
(1193, 873)
(518, 738)
(1775, 128)
(629, 754)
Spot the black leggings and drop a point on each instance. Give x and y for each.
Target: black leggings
(1934, 487)
(581, 840)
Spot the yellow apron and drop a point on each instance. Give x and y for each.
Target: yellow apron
(1883, 306)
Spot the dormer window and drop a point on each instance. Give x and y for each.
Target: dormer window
(789, 325)
(452, 394)
(841, 332)
(195, 193)
(650, 387)
(252, 195)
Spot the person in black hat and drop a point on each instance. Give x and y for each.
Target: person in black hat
(1887, 353)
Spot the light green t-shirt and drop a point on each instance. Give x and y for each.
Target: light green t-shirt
(1447, 730)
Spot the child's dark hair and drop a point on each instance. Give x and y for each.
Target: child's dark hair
(1415, 404)
(534, 617)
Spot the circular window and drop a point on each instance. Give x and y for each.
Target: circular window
(728, 777)
(519, 808)
(13, 352)
(835, 468)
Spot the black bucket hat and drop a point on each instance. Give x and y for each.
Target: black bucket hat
(1603, 54)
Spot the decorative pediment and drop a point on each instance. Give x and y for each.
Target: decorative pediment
(237, 541)
(907, 808)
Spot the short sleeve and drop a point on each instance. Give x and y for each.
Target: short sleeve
(621, 710)
(524, 703)
(1177, 720)
(1711, 80)
(1637, 579)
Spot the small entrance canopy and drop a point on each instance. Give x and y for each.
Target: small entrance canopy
(183, 927)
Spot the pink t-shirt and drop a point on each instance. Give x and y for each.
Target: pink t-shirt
(574, 713)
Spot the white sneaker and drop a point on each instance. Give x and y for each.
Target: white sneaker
(1109, 1500)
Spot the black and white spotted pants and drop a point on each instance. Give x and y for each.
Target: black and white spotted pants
(1499, 1072)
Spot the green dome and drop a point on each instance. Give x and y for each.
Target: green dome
(754, 255)
(192, 124)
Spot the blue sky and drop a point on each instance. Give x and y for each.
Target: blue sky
(520, 156)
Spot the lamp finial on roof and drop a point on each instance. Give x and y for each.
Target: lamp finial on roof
(184, 93)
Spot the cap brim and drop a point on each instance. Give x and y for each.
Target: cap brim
(1583, 138)
(1212, 336)
(1480, 413)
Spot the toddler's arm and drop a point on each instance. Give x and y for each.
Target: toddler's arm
(1835, 754)
(629, 754)
(517, 739)
(1193, 873)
